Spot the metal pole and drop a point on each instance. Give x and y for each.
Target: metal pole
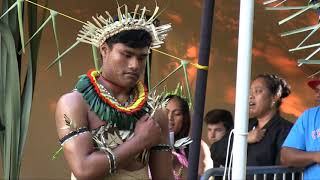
(242, 89)
(201, 85)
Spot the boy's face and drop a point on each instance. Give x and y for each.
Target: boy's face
(215, 132)
(123, 65)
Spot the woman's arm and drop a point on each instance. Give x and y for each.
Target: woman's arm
(205, 161)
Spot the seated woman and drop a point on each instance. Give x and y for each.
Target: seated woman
(179, 124)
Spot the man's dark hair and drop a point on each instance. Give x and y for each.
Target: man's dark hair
(135, 38)
(216, 116)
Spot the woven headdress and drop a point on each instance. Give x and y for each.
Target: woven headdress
(177, 92)
(103, 28)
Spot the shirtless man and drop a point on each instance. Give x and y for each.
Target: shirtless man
(105, 125)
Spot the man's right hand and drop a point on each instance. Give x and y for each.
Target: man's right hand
(147, 131)
(255, 135)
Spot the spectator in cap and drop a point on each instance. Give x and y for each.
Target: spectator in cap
(315, 85)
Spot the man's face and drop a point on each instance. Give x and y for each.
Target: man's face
(317, 95)
(123, 65)
(215, 132)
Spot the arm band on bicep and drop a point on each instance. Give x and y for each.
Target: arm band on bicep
(72, 134)
(162, 147)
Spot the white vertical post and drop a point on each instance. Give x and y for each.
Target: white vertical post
(242, 89)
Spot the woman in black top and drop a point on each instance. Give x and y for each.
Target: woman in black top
(267, 129)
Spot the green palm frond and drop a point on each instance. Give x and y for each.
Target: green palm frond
(28, 89)
(59, 58)
(10, 103)
(184, 65)
(16, 112)
(53, 15)
(96, 57)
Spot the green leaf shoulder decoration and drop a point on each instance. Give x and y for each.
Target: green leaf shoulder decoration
(106, 106)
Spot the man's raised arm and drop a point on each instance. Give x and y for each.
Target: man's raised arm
(161, 160)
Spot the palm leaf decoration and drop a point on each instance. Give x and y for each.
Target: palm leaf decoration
(14, 100)
(10, 103)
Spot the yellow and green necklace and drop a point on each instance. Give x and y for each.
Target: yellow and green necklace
(107, 108)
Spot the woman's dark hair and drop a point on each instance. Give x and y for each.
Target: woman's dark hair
(186, 122)
(277, 86)
(216, 116)
(184, 132)
(135, 38)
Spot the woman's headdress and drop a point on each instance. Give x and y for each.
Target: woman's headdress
(178, 92)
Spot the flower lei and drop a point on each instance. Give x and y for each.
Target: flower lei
(106, 107)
